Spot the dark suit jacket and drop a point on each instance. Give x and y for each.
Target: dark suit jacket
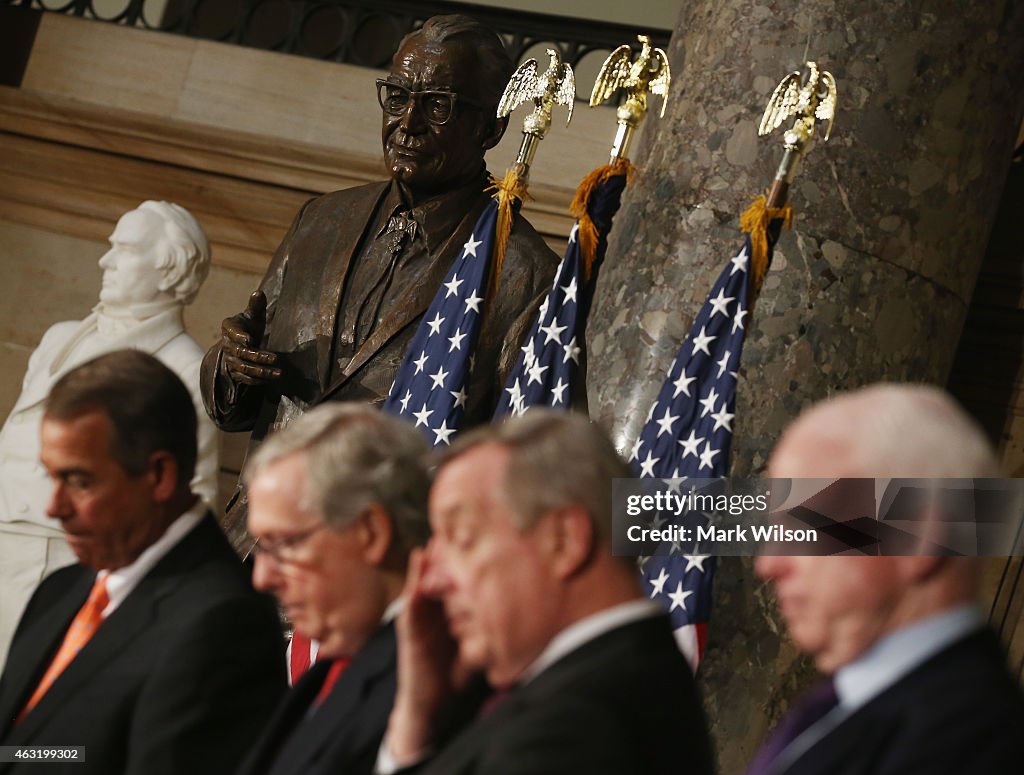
(958, 713)
(623, 703)
(180, 678)
(343, 735)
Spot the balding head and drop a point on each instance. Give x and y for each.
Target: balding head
(886, 430)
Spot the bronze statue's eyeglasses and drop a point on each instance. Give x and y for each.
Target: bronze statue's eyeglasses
(285, 550)
(437, 106)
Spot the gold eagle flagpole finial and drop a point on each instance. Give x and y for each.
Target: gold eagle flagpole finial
(555, 86)
(812, 101)
(649, 72)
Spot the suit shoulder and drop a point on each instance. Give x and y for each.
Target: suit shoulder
(62, 578)
(969, 677)
(333, 202)
(528, 241)
(53, 587)
(625, 700)
(205, 567)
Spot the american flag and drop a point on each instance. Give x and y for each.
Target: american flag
(547, 370)
(688, 434)
(430, 387)
(547, 367)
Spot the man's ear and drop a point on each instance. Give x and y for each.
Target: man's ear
(568, 539)
(493, 132)
(162, 471)
(376, 534)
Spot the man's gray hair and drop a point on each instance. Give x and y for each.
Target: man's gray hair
(556, 459)
(187, 260)
(356, 456)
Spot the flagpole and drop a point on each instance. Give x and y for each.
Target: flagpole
(812, 100)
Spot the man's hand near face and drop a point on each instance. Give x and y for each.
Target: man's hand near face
(430, 673)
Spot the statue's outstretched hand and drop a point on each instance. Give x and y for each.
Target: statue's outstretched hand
(240, 336)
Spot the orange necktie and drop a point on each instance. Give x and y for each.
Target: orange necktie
(82, 627)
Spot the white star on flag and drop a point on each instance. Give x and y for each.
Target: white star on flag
(666, 422)
(423, 415)
(659, 583)
(719, 303)
(442, 433)
(678, 597)
(690, 445)
(456, 341)
(438, 377)
(471, 246)
(701, 342)
(453, 286)
(682, 385)
(570, 290)
(473, 302)
(435, 324)
(708, 402)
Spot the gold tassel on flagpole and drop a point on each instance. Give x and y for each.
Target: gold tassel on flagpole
(755, 221)
(508, 192)
(587, 231)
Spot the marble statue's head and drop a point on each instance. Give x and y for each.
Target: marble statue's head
(158, 251)
(440, 102)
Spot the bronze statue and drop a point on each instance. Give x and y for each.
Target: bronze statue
(347, 287)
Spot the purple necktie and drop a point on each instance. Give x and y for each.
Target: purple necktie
(812, 707)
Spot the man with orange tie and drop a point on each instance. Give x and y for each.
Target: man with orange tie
(336, 502)
(154, 654)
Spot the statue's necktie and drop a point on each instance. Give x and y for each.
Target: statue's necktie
(813, 707)
(401, 229)
(82, 627)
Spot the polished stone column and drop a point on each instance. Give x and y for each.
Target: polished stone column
(873, 282)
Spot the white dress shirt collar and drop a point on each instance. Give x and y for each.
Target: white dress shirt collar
(393, 610)
(587, 629)
(899, 652)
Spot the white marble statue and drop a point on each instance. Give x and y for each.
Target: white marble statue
(158, 258)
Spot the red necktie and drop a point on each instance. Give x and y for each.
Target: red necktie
(300, 657)
(333, 674)
(82, 628)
